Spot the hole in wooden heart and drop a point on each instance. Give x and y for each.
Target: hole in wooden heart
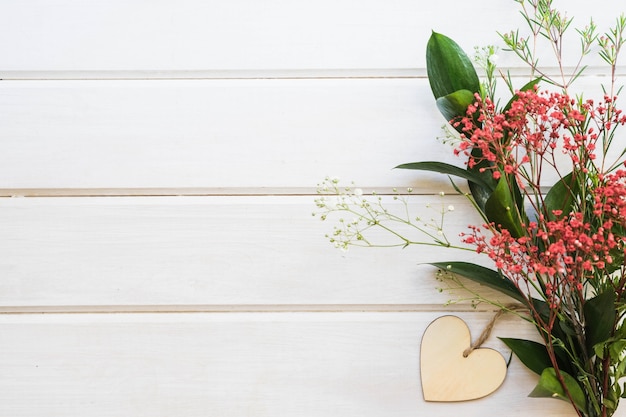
(449, 376)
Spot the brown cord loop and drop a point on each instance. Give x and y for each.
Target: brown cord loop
(487, 332)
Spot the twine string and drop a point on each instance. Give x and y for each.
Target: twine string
(489, 327)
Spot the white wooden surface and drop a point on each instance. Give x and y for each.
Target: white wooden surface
(159, 161)
(234, 364)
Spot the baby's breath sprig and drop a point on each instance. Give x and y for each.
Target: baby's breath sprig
(450, 136)
(486, 57)
(359, 216)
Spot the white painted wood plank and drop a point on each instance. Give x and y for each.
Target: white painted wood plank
(75, 35)
(221, 133)
(207, 251)
(250, 133)
(348, 364)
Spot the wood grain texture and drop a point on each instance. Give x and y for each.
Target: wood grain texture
(448, 373)
(288, 364)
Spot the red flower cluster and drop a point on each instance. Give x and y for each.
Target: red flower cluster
(525, 137)
(558, 250)
(610, 197)
(558, 254)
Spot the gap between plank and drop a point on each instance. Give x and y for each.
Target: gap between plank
(155, 192)
(246, 308)
(258, 74)
(423, 189)
(189, 192)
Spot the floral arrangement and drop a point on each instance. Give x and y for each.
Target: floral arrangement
(559, 251)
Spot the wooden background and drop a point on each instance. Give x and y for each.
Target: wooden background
(159, 166)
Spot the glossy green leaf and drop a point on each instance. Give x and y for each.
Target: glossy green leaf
(535, 356)
(543, 310)
(616, 350)
(444, 168)
(485, 276)
(449, 68)
(600, 316)
(454, 105)
(561, 196)
(532, 354)
(503, 210)
(480, 193)
(549, 386)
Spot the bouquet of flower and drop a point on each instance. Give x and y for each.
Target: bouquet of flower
(559, 251)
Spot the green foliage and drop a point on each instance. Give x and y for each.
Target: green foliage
(443, 168)
(454, 82)
(562, 196)
(532, 354)
(549, 385)
(449, 68)
(454, 105)
(503, 207)
(600, 317)
(564, 258)
(485, 276)
(483, 170)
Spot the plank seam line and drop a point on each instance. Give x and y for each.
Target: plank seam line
(425, 190)
(257, 74)
(259, 308)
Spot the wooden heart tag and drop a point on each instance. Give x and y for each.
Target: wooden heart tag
(447, 375)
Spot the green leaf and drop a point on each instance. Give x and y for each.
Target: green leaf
(449, 68)
(485, 276)
(616, 350)
(481, 194)
(532, 354)
(444, 168)
(503, 209)
(561, 196)
(567, 328)
(600, 316)
(454, 105)
(535, 356)
(549, 386)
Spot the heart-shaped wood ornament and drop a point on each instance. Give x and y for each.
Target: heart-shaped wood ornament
(447, 375)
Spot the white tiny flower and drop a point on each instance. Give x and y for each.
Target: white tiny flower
(358, 192)
(331, 203)
(450, 207)
(493, 59)
(441, 193)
